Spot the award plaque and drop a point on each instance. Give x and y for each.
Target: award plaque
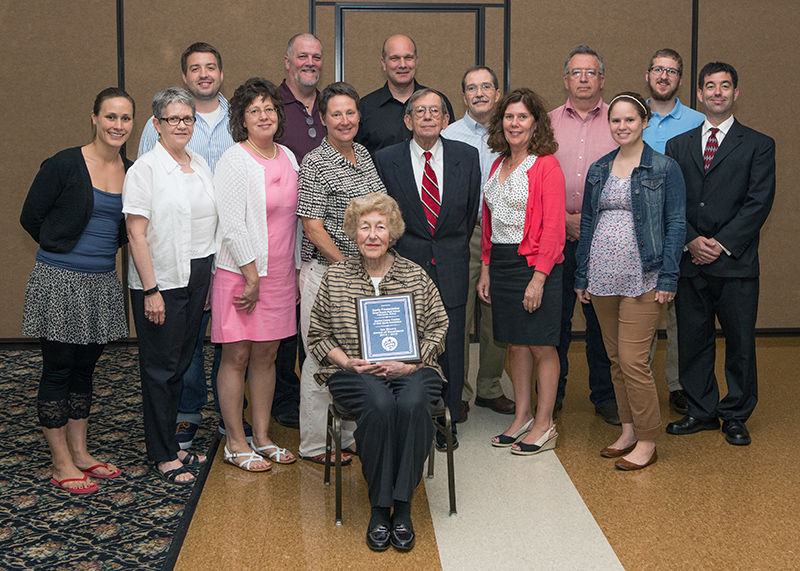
(387, 328)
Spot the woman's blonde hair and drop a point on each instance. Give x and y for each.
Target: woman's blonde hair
(374, 202)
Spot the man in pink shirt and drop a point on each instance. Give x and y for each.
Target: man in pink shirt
(581, 129)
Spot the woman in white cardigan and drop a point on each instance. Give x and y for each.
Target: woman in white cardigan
(254, 289)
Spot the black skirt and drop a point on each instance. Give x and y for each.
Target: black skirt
(509, 275)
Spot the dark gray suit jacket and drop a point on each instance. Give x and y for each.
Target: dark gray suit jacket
(449, 243)
(731, 201)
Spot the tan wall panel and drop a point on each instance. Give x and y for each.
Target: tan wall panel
(49, 85)
(250, 35)
(749, 36)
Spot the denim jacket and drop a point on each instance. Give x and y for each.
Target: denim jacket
(658, 199)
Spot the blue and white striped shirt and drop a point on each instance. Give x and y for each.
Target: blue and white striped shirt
(207, 141)
(469, 131)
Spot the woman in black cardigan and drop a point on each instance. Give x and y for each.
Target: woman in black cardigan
(74, 301)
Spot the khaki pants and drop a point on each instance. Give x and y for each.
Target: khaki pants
(628, 325)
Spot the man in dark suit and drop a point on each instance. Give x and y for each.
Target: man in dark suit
(730, 185)
(436, 182)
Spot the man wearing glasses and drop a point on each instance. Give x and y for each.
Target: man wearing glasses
(201, 67)
(481, 94)
(670, 118)
(383, 110)
(436, 182)
(583, 136)
(304, 128)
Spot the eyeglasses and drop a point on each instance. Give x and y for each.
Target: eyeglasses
(670, 71)
(589, 73)
(255, 113)
(471, 89)
(174, 121)
(420, 111)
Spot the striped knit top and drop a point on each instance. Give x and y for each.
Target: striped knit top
(333, 317)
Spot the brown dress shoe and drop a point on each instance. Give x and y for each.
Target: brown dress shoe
(623, 464)
(501, 404)
(609, 452)
(464, 412)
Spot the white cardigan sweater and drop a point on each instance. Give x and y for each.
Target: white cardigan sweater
(241, 203)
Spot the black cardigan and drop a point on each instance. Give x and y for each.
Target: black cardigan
(60, 202)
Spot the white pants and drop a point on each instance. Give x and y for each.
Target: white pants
(314, 398)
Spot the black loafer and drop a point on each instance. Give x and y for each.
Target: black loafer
(378, 538)
(609, 413)
(402, 537)
(736, 432)
(441, 442)
(288, 419)
(690, 425)
(678, 401)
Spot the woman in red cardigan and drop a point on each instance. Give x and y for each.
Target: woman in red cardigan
(523, 241)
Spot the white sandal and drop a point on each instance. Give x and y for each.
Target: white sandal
(278, 454)
(245, 464)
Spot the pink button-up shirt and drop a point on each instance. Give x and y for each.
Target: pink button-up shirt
(580, 143)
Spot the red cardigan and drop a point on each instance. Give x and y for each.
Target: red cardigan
(545, 216)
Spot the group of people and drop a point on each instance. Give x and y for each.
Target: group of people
(272, 213)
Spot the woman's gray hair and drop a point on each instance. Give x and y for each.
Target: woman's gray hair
(374, 202)
(171, 95)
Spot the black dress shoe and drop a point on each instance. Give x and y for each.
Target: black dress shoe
(402, 537)
(736, 432)
(678, 402)
(288, 419)
(441, 442)
(690, 425)
(378, 537)
(609, 413)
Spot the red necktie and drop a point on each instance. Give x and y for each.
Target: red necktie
(430, 193)
(711, 148)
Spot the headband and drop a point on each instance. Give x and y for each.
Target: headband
(632, 99)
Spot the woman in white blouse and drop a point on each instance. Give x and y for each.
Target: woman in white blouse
(255, 282)
(171, 215)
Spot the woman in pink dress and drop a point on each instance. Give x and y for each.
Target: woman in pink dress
(254, 290)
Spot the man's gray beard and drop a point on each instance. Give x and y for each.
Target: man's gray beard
(306, 83)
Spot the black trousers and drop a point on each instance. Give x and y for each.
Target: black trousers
(395, 430)
(452, 360)
(287, 384)
(165, 353)
(65, 389)
(734, 301)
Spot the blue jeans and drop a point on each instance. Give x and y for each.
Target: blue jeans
(602, 390)
(195, 391)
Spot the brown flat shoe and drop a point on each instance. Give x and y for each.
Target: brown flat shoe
(627, 466)
(609, 452)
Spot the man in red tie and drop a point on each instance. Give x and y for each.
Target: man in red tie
(436, 183)
(730, 185)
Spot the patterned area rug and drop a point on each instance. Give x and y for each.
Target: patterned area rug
(135, 521)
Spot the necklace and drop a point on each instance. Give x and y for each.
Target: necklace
(274, 154)
(514, 164)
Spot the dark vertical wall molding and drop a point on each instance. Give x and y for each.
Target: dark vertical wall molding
(695, 32)
(507, 46)
(123, 150)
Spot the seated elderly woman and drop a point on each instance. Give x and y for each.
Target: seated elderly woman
(392, 400)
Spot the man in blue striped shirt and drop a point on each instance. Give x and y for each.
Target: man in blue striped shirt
(481, 94)
(201, 66)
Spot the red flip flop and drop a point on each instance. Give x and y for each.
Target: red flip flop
(90, 472)
(88, 490)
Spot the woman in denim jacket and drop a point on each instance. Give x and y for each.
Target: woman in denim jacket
(632, 233)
